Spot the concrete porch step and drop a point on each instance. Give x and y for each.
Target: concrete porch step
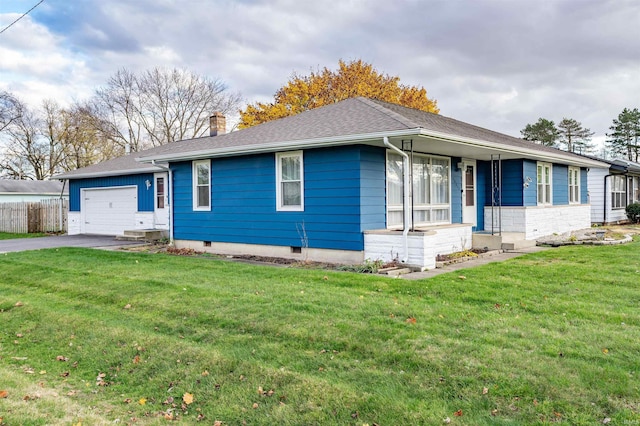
(508, 241)
(143, 235)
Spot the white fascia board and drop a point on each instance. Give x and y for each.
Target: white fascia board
(108, 173)
(534, 153)
(278, 146)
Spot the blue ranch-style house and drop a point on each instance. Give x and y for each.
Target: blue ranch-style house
(358, 179)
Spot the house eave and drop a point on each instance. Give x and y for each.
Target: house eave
(376, 138)
(278, 146)
(108, 173)
(526, 152)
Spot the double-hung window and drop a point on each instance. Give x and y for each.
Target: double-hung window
(618, 192)
(544, 183)
(202, 185)
(430, 186)
(574, 185)
(289, 181)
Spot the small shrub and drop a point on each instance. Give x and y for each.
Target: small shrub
(633, 212)
(368, 267)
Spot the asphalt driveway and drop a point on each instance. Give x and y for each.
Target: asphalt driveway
(22, 244)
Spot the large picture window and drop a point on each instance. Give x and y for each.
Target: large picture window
(544, 183)
(290, 181)
(618, 192)
(574, 185)
(430, 185)
(202, 185)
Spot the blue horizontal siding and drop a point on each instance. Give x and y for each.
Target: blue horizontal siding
(560, 183)
(584, 191)
(145, 195)
(344, 194)
(530, 175)
(512, 194)
(456, 191)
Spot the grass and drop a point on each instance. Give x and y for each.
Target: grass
(11, 236)
(99, 337)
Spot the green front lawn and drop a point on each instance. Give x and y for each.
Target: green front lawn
(11, 236)
(95, 337)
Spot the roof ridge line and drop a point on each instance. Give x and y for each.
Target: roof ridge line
(392, 114)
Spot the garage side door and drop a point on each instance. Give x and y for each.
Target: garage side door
(109, 211)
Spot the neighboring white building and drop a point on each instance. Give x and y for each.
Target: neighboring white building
(612, 189)
(12, 191)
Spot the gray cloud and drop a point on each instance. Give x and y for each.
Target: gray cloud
(500, 64)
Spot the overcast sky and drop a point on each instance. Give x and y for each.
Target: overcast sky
(496, 64)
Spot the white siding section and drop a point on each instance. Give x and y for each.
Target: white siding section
(536, 222)
(595, 178)
(73, 223)
(144, 220)
(423, 246)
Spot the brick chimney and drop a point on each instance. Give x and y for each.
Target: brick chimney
(217, 124)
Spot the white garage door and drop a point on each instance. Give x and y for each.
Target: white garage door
(109, 211)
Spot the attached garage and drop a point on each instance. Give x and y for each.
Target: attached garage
(109, 211)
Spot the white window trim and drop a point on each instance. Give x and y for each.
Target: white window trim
(194, 166)
(279, 206)
(622, 193)
(575, 170)
(421, 207)
(550, 166)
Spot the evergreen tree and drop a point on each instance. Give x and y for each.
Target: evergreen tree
(574, 137)
(625, 134)
(543, 132)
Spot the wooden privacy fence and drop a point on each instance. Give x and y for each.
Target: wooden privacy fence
(30, 217)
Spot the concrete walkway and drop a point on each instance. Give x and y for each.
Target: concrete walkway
(471, 263)
(95, 241)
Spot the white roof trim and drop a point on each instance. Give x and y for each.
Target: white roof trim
(349, 139)
(107, 173)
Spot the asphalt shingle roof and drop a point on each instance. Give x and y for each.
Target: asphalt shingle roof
(355, 116)
(31, 187)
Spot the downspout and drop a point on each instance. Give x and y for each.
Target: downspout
(60, 212)
(170, 191)
(406, 200)
(604, 212)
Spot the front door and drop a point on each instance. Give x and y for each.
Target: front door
(469, 210)
(161, 201)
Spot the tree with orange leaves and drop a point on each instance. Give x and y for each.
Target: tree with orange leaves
(324, 87)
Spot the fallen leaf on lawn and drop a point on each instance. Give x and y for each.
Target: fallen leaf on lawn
(325, 278)
(19, 335)
(485, 391)
(555, 413)
(411, 320)
(462, 277)
(494, 412)
(136, 359)
(605, 421)
(255, 405)
(497, 306)
(19, 358)
(142, 401)
(64, 374)
(200, 417)
(168, 416)
(43, 371)
(446, 420)
(62, 358)
(18, 304)
(260, 391)
(217, 423)
(458, 413)
(72, 393)
(4, 394)
(168, 401)
(26, 398)
(605, 350)
(127, 306)
(270, 392)
(205, 373)
(187, 398)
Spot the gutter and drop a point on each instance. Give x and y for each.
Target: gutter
(406, 208)
(170, 192)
